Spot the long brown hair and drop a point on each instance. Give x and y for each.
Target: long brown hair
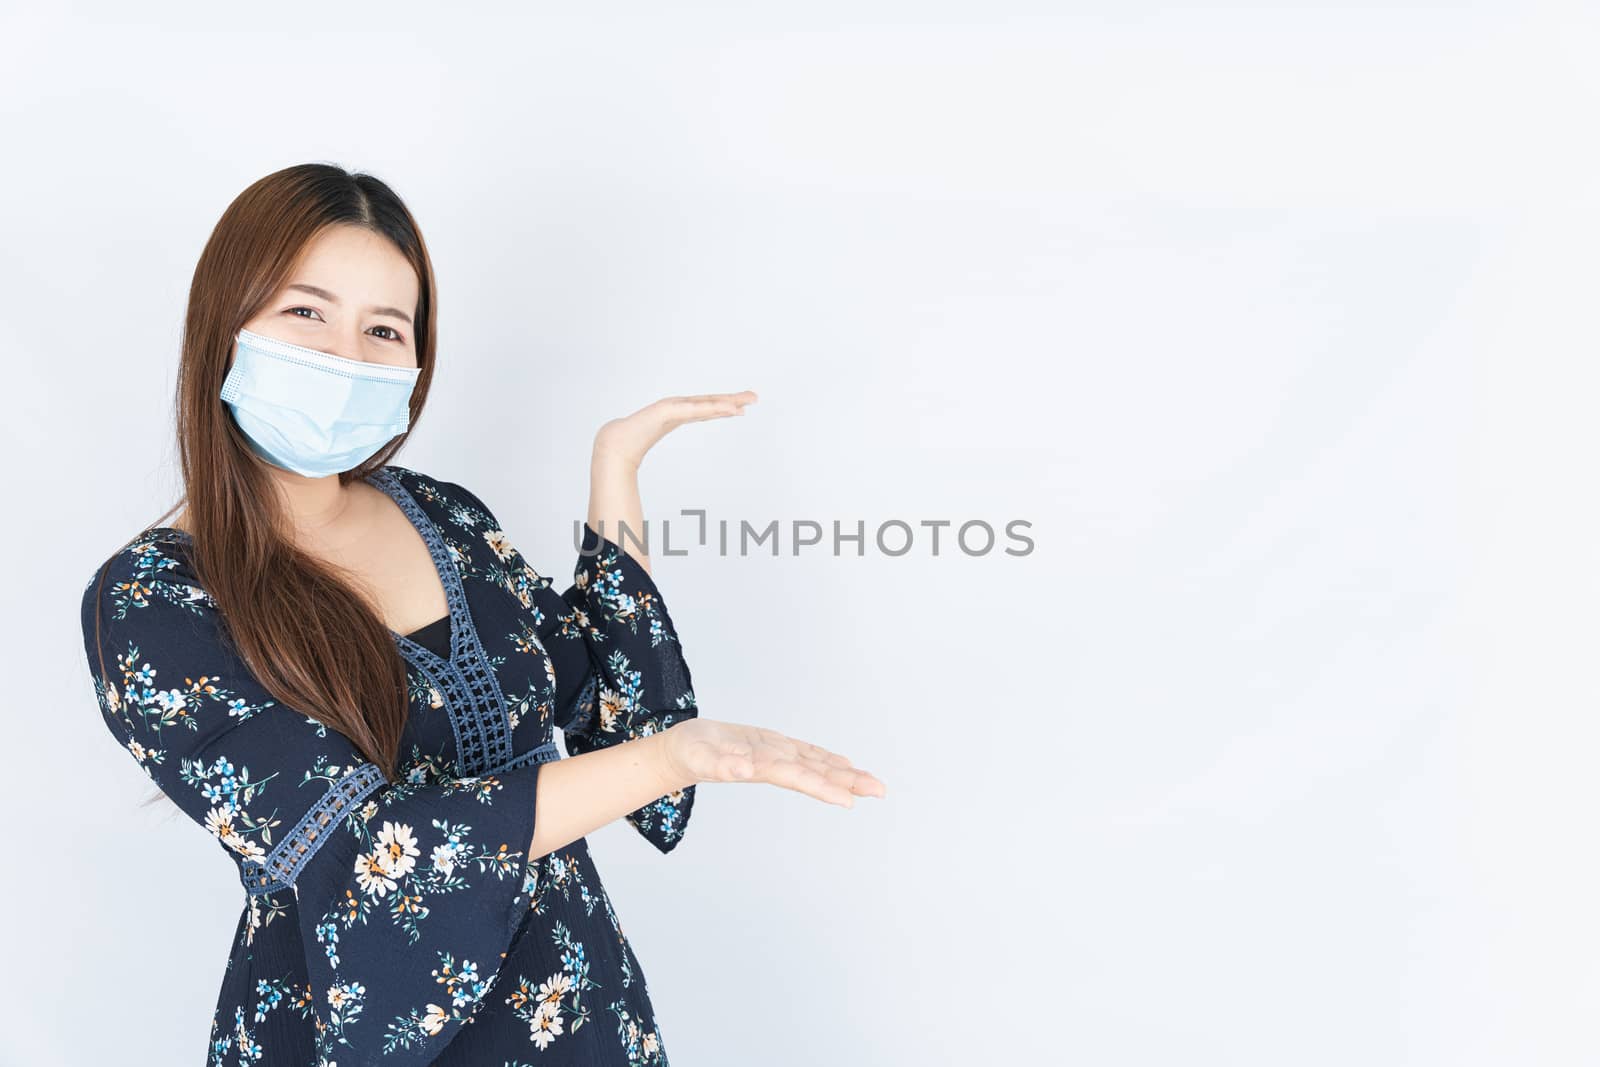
(302, 629)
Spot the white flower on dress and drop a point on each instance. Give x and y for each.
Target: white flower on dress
(500, 543)
(433, 1020)
(348, 995)
(444, 858)
(531, 581)
(248, 849)
(254, 922)
(612, 704)
(371, 875)
(220, 821)
(551, 992)
(544, 1028)
(397, 849)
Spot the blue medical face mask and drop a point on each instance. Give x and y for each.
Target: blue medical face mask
(313, 413)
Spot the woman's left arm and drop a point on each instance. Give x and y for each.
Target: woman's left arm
(615, 510)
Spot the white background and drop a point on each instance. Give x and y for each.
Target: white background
(1275, 320)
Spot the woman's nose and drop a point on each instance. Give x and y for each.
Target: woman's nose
(348, 345)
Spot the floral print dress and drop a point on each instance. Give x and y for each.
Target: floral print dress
(404, 920)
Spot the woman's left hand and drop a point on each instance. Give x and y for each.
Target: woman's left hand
(624, 441)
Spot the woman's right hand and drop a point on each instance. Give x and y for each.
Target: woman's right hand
(707, 750)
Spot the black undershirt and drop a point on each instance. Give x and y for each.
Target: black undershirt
(434, 636)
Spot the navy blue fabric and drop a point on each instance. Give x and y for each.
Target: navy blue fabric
(435, 636)
(403, 920)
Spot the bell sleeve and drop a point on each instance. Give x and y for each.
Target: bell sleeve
(407, 894)
(639, 682)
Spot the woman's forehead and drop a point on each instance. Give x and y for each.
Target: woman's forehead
(353, 263)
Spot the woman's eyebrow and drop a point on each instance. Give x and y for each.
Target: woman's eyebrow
(330, 298)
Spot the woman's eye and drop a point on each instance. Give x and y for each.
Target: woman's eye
(393, 334)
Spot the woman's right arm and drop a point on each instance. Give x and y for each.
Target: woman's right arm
(579, 794)
(637, 746)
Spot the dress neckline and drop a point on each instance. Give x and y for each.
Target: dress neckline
(462, 636)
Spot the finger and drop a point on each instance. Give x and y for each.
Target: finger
(712, 408)
(868, 785)
(706, 405)
(744, 396)
(839, 776)
(794, 748)
(855, 781)
(818, 752)
(782, 746)
(803, 779)
(703, 399)
(858, 781)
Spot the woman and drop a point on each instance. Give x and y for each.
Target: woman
(344, 671)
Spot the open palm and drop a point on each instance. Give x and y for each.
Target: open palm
(627, 439)
(709, 750)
